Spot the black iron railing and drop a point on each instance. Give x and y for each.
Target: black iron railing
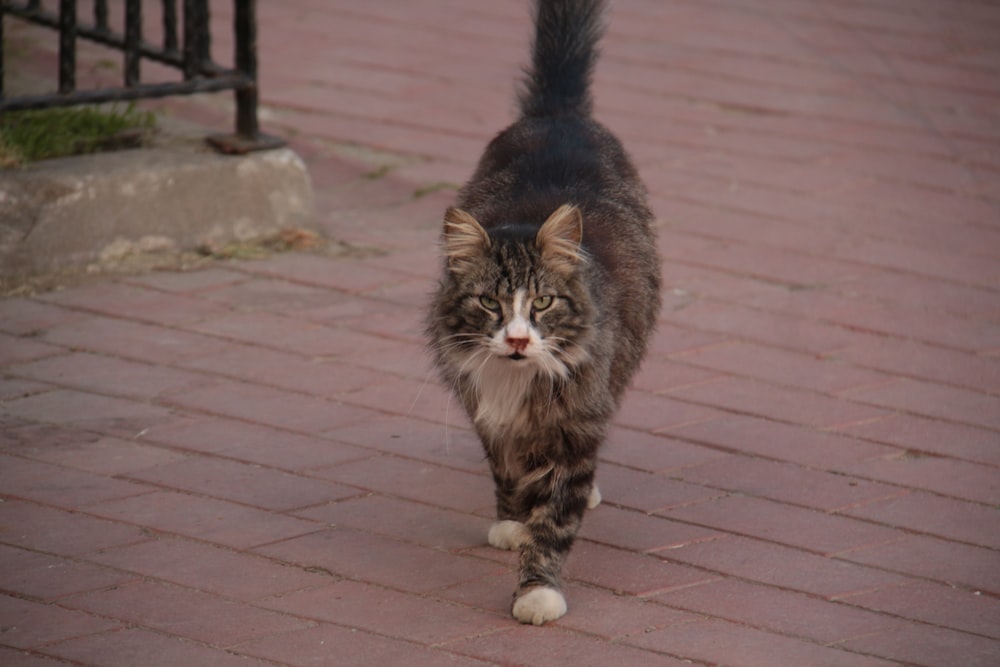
(186, 46)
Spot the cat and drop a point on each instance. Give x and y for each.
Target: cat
(549, 292)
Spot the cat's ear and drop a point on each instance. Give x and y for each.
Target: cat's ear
(559, 238)
(465, 240)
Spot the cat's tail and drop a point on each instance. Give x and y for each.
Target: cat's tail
(563, 57)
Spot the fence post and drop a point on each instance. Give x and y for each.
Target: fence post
(67, 46)
(248, 136)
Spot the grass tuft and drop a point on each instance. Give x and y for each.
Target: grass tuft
(27, 136)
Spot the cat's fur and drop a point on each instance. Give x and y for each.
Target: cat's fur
(549, 293)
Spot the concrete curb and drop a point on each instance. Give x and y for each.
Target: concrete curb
(67, 214)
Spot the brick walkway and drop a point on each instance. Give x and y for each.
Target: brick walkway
(248, 464)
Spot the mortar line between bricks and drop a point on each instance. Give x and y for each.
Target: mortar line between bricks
(372, 450)
(124, 625)
(333, 578)
(720, 122)
(186, 327)
(153, 440)
(722, 74)
(841, 556)
(86, 612)
(39, 653)
(826, 257)
(839, 289)
(737, 620)
(823, 223)
(261, 272)
(927, 491)
(668, 431)
(820, 321)
(903, 491)
(845, 600)
(165, 401)
(389, 121)
(733, 450)
(914, 413)
(728, 576)
(128, 625)
(687, 360)
(294, 511)
(162, 402)
(76, 507)
(759, 628)
(86, 559)
(182, 365)
(823, 118)
(235, 459)
(364, 491)
(442, 30)
(888, 410)
(173, 535)
(115, 316)
(786, 545)
(726, 124)
(868, 178)
(705, 443)
(917, 378)
(446, 645)
(913, 532)
(431, 595)
(907, 579)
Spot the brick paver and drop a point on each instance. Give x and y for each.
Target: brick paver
(251, 464)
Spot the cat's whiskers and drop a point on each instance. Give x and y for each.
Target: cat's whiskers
(463, 340)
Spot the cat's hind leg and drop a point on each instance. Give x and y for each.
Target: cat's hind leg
(594, 499)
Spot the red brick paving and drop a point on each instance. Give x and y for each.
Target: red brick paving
(250, 464)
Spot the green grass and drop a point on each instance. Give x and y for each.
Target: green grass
(27, 136)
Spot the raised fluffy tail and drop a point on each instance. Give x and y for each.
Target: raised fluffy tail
(563, 57)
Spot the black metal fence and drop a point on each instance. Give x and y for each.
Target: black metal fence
(186, 46)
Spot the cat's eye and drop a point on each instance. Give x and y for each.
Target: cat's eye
(489, 304)
(541, 303)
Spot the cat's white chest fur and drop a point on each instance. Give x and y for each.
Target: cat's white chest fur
(503, 386)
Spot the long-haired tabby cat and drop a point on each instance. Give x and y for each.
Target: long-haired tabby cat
(549, 293)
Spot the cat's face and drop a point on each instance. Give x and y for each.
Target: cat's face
(515, 297)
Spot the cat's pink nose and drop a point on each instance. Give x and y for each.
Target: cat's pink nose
(518, 343)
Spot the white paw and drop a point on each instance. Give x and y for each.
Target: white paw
(507, 535)
(539, 605)
(595, 497)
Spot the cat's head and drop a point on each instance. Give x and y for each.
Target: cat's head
(516, 294)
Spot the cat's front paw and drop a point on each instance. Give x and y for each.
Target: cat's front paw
(507, 534)
(539, 605)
